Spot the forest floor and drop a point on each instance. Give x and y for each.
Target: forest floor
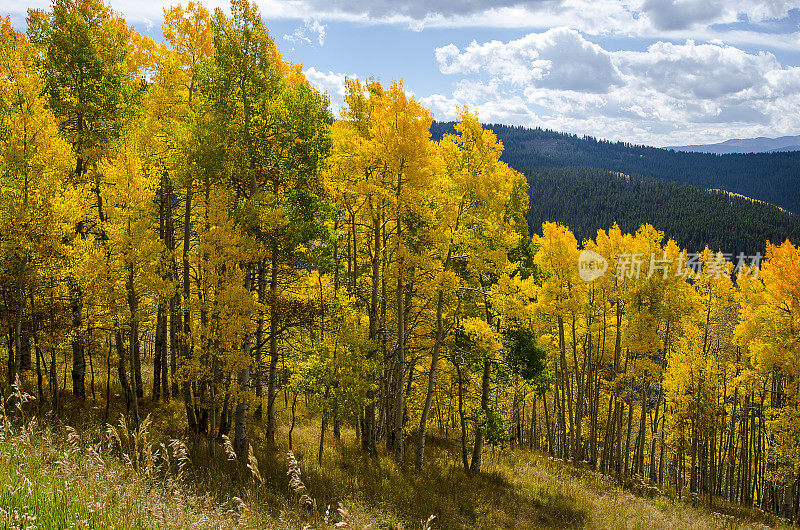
(93, 476)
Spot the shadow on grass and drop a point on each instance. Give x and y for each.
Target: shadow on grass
(375, 485)
(442, 488)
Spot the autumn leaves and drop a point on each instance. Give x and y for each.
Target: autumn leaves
(197, 196)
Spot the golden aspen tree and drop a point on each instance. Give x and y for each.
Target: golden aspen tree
(268, 132)
(35, 209)
(172, 104)
(83, 47)
(121, 274)
(359, 189)
(226, 306)
(649, 328)
(560, 298)
(608, 295)
(381, 168)
(399, 128)
(768, 334)
(478, 226)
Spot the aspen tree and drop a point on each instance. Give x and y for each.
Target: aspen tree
(35, 209)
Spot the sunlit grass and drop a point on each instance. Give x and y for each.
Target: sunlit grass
(52, 478)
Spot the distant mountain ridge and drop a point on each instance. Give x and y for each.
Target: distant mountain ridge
(745, 145)
(770, 177)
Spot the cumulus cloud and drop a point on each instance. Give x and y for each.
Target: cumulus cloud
(658, 95)
(662, 14)
(329, 83)
(559, 58)
(648, 18)
(563, 78)
(682, 14)
(702, 71)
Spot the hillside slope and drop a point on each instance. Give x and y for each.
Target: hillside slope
(770, 177)
(57, 478)
(588, 199)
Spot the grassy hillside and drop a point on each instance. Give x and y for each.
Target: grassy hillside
(99, 476)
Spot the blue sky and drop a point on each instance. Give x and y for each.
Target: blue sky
(661, 72)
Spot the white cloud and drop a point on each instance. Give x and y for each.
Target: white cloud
(330, 83)
(702, 71)
(667, 94)
(644, 18)
(682, 14)
(661, 14)
(310, 31)
(420, 9)
(559, 58)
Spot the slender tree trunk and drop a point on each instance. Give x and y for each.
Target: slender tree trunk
(160, 341)
(618, 443)
(426, 409)
(108, 383)
(164, 360)
(323, 427)
(174, 302)
(133, 354)
(401, 362)
(39, 359)
(533, 442)
(550, 448)
(91, 364)
(17, 342)
(262, 286)
(54, 381)
(121, 370)
(577, 447)
(566, 397)
(462, 420)
(642, 429)
(10, 340)
(273, 346)
(662, 443)
(240, 433)
(368, 435)
(225, 415)
(212, 430)
(477, 451)
(174, 345)
(626, 469)
(159, 356)
(291, 427)
(191, 418)
(136, 358)
(78, 360)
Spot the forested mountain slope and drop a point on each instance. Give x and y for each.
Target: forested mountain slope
(588, 199)
(770, 177)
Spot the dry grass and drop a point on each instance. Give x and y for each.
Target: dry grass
(97, 476)
(56, 479)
